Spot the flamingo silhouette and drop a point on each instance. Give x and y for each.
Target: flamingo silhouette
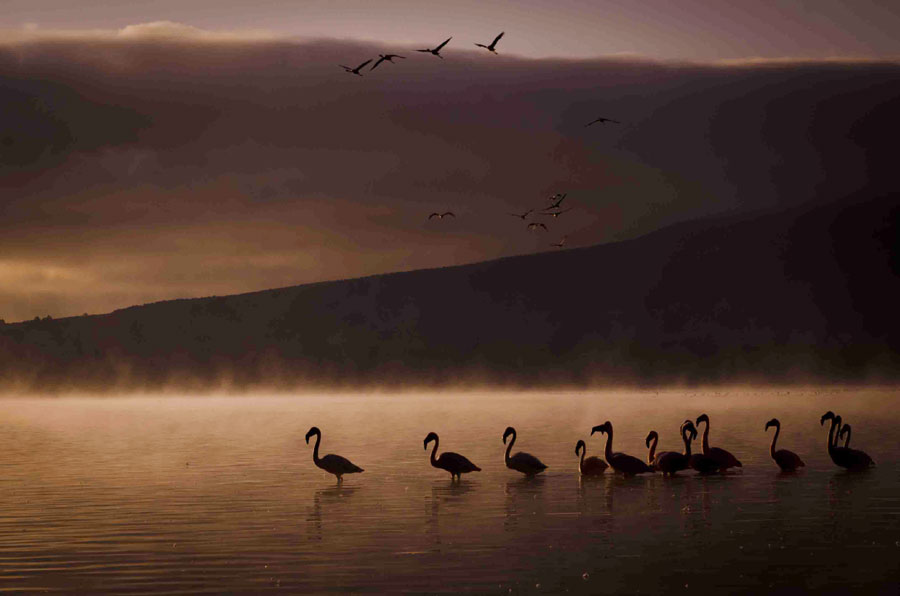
(436, 51)
(454, 463)
(592, 466)
(560, 243)
(851, 459)
(535, 226)
(521, 461)
(670, 462)
(788, 461)
(357, 69)
(602, 120)
(522, 216)
(490, 47)
(386, 58)
(721, 456)
(628, 465)
(555, 214)
(333, 464)
(442, 215)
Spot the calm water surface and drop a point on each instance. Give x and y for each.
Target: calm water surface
(214, 495)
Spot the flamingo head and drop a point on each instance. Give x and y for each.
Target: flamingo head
(313, 431)
(653, 435)
(702, 418)
(603, 428)
(829, 415)
(431, 437)
(509, 431)
(579, 446)
(688, 425)
(837, 421)
(773, 422)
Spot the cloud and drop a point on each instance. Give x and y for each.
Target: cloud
(162, 161)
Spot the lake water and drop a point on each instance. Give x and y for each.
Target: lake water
(212, 495)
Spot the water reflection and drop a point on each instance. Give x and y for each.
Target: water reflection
(113, 504)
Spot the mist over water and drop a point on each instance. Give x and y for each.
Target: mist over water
(207, 495)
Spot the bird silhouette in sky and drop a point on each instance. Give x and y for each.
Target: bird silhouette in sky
(560, 243)
(386, 58)
(355, 70)
(559, 200)
(602, 120)
(522, 216)
(441, 215)
(537, 226)
(436, 51)
(555, 214)
(491, 47)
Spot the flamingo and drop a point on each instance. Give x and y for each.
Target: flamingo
(620, 462)
(333, 464)
(592, 466)
(521, 461)
(845, 430)
(555, 214)
(670, 462)
(357, 69)
(721, 456)
(436, 51)
(561, 242)
(386, 58)
(454, 463)
(788, 461)
(851, 459)
(442, 215)
(602, 120)
(490, 48)
(522, 216)
(535, 226)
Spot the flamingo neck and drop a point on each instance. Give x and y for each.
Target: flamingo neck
(581, 461)
(653, 442)
(775, 438)
(316, 448)
(847, 440)
(686, 437)
(706, 438)
(433, 452)
(831, 437)
(608, 451)
(509, 447)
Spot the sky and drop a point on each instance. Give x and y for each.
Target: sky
(181, 149)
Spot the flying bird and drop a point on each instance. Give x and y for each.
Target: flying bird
(386, 58)
(441, 215)
(602, 120)
(436, 51)
(555, 214)
(535, 226)
(559, 199)
(356, 70)
(560, 243)
(522, 216)
(333, 464)
(490, 48)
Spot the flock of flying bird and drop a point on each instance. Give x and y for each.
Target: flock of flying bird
(710, 460)
(554, 210)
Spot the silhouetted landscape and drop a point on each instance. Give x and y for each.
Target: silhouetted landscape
(807, 294)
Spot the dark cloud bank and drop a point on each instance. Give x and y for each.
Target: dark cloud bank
(142, 170)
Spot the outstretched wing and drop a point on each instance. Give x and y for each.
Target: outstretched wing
(363, 64)
(450, 213)
(437, 215)
(496, 39)
(438, 49)
(380, 60)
